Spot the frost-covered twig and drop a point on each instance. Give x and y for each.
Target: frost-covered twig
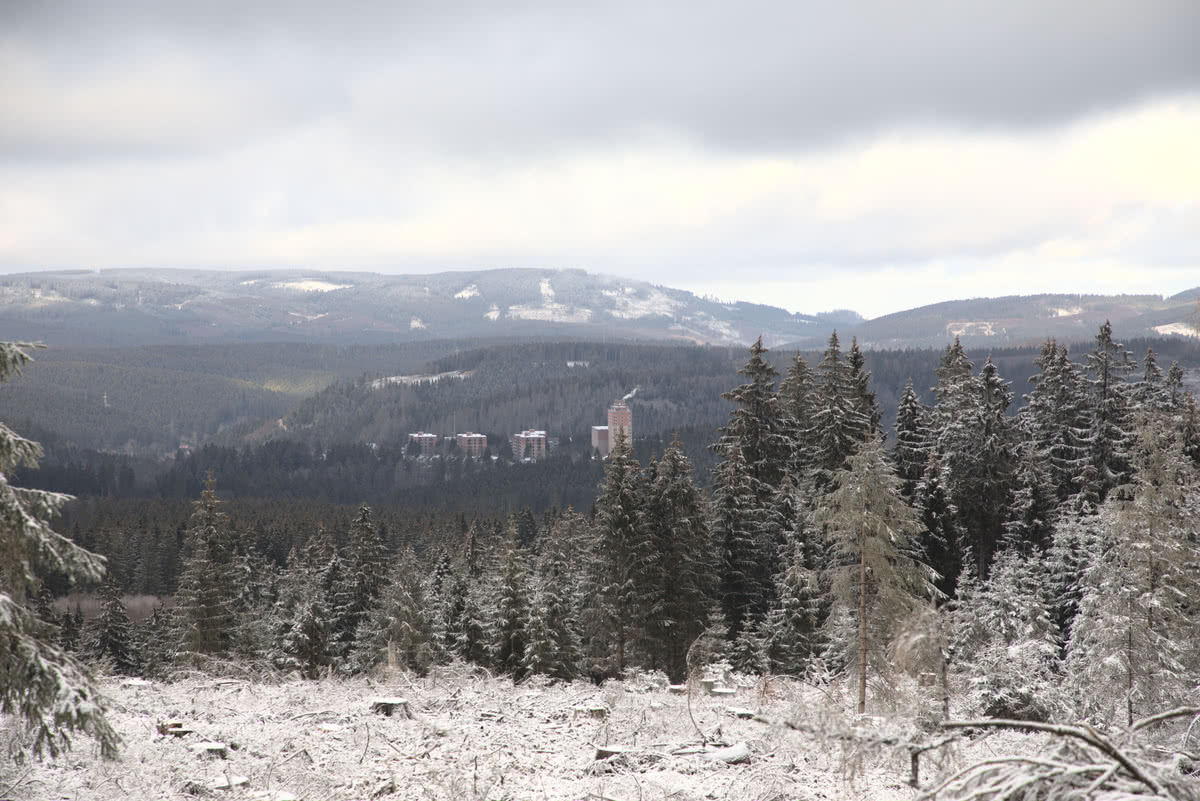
(1180, 712)
(1084, 733)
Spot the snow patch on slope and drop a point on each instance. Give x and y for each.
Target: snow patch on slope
(549, 311)
(470, 291)
(493, 313)
(1071, 312)
(628, 306)
(415, 323)
(971, 328)
(411, 380)
(309, 317)
(1183, 329)
(310, 285)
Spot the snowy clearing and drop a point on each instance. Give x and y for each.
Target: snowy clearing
(311, 285)
(415, 323)
(1183, 329)
(469, 291)
(409, 380)
(465, 735)
(1071, 312)
(629, 306)
(493, 313)
(970, 328)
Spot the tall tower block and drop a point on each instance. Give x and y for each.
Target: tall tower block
(620, 417)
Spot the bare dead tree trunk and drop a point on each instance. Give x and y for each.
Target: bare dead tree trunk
(862, 624)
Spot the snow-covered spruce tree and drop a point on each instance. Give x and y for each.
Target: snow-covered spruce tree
(797, 401)
(1110, 433)
(875, 578)
(913, 440)
(554, 644)
(462, 603)
(70, 629)
(1174, 386)
(397, 629)
(510, 615)
(1032, 511)
(365, 576)
(975, 441)
(110, 638)
(41, 685)
(1074, 546)
(301, 616)
(676, 521)
(1132, 646)
(749, 651)
(1007, 642)
(622, 566)
(1151, 393)
(939, 542)
(756, 426)
(1057, 419)
(154, 646)
(738, 523)
(1189, 432)
(838, 424)
(205, 610)
(792, 627)
(860, 379)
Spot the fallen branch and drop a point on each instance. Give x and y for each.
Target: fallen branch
(1181, 712)
(1084, 733)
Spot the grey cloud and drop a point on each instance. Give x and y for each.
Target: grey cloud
(489, 81)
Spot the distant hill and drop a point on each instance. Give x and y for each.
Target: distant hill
(1029, 319)
(139, 307)
(159, 306)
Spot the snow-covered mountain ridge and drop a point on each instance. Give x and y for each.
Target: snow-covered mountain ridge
(151, 306)
(143, 306)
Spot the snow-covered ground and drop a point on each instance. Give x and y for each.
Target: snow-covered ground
(1183, 329)
(410, 380)
(311, 285)
(470, 736)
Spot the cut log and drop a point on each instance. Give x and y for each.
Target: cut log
(740, 712)
(210, 749)
(609, 751)
(175, 728)
(228, 782)
(723, 692)
(386, 706)
(736, 754)
(708, 684)
(677, 689)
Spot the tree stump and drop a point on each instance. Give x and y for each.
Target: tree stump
(386, 706)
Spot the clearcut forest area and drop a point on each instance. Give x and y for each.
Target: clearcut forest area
(795, 580)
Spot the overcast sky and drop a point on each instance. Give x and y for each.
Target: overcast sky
(874, 155)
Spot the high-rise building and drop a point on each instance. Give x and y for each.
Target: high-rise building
(472, 445)
(529, 444)
(427, 442)
(620, 418)
(600, 439)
